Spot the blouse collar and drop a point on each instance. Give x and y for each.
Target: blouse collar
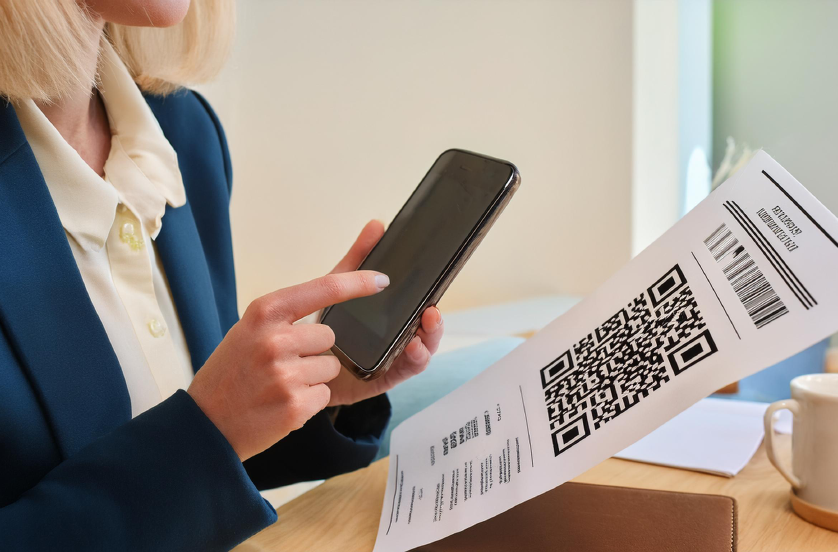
(141, 171)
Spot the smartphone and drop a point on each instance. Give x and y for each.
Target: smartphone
(424, 248)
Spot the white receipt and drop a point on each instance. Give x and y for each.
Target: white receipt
(743, 281)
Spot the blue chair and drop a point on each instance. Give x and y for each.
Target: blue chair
(772, 384)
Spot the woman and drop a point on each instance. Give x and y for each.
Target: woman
(136, 410)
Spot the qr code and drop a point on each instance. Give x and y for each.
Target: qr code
(656, 336)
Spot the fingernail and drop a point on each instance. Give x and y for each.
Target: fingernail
(382, 281)
(439, 317)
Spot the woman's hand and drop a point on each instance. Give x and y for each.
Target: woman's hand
(266, 379)
(346, 388)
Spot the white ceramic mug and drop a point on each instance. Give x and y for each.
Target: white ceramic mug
(814, 471)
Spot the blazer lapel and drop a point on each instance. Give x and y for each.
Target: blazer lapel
(45, 309)
(180, 250)
(182, 253)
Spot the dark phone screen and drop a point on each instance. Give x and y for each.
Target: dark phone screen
(416, 249)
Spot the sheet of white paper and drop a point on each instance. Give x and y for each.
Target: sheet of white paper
(668, 329)
(716, 436)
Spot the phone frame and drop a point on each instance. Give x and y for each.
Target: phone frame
(466, 249)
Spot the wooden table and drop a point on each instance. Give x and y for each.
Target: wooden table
(343, 513)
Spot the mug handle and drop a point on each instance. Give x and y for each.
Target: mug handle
(794, 407)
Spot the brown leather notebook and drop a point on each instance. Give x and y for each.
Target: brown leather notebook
(597, 518)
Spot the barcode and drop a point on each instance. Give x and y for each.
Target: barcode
(751, 286)
(721, 242)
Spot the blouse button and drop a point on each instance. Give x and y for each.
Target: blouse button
(156, 328)
(128, 237)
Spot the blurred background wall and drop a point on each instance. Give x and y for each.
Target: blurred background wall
(335, 109)
(615, 111)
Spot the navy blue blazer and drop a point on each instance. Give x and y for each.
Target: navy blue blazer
(76, 472)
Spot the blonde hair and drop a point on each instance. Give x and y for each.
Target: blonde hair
(44, 44)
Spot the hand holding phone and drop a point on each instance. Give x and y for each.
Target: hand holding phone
(413, 360)
(426, 245)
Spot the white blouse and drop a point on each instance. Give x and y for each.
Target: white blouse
(111, 224)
